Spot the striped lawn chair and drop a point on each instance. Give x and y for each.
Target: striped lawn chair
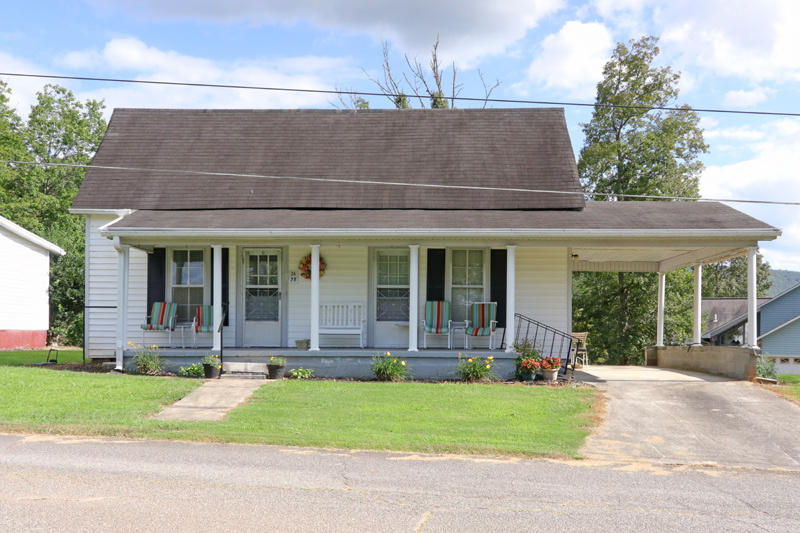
(203, 322)
(482, 322)
(161, 318)
(436, 322)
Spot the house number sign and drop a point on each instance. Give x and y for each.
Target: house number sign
(293, 276)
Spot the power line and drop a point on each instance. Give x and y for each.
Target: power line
(362, 93)
(397, 183)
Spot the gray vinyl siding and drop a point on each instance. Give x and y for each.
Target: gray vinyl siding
(784, 342)
(780, 310)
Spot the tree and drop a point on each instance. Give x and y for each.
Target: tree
(728, 279)
(60, 129)
(631, 148)
(425, 83)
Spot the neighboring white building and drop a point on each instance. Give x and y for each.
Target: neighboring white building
(24, 283)
(404, 207)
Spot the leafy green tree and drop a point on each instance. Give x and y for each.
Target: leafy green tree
(60, 129)
(728, 279)
(631, 148)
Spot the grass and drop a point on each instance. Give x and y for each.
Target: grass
(29, 357)
(421, 417)
(792, 388)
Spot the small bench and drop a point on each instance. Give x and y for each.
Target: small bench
(345, 318)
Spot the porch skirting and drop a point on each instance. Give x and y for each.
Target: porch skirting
(343, 363)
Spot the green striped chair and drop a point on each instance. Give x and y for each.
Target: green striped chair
(161, 318)
(482, 322)
(203, 322)
(437, 321)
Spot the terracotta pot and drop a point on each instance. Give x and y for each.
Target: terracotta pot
(550, 375)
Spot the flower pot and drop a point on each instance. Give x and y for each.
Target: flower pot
(550, 374)
(301, 345)
(527, 376)
(276, 371)
(211, 371)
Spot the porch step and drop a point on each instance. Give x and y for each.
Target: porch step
(238, 375)
(245, 368)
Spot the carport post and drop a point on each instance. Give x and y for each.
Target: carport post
(314, 266)
(752, 302)
(660, 318)
(698, 287)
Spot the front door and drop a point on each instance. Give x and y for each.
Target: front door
(262, 297)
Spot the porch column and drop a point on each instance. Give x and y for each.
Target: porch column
(123, 274)
(413, 296)
(217, 311)
(662, 282)
(751, 338)
(511, 278)
(698, 319)
(314, 266)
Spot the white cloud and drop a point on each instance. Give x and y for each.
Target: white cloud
(23, 90)
(469, 29)
(741, 133)
(572, 59)
(746, 98)
(134, 58)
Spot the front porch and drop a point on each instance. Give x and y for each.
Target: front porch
(345, 363)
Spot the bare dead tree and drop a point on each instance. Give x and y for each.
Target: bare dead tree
(348, 99)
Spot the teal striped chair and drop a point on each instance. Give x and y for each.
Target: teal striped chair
(203, 322)
(437, 321)
(161, 318)
(482, 322)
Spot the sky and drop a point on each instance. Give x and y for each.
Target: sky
(732, 54)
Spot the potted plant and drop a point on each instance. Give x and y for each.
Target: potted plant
(276, 367)
(211, 366)
(550, 366)
(302, 344)
(528, 368)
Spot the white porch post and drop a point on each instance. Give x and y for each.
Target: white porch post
(698, 322)
(217, 311)
(511, 280)
(662, 282)
(314, 266)
(123, 268)
(413, 300)
(752, 301)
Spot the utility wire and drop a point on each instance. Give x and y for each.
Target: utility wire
(362, 93)
(396, 183)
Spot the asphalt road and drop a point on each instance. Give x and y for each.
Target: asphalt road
(81, 484)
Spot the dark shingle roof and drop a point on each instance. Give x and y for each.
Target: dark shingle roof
(510, 148)
(617, 216)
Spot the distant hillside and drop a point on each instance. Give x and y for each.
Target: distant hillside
(783, 280)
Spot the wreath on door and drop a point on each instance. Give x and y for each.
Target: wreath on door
(305, 266)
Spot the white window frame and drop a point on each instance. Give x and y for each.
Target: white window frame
(206, 274)
(395, 251)
(449, 273)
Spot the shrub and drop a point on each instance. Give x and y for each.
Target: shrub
(301, 373)
(193, 371)
(147, 360)
(388, 368)
(476, 369)
(765, 368)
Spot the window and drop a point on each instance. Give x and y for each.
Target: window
(392, 286)
(188, 278)
(466, 285)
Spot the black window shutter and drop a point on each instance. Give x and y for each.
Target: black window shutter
(156, 277)
(436, 270)
(497, 284)
(225, 281)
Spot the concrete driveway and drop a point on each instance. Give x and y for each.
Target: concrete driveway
(679, 417)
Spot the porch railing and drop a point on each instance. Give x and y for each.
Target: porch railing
(548, 340)
(221, 338)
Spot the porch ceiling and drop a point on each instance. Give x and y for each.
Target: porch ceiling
(649, 259)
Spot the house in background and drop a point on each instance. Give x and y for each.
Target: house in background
(25, 280)
(239, 209)
(778, 326)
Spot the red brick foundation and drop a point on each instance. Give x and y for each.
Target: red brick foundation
(10, 339)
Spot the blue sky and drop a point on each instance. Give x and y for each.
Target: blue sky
(733, 54)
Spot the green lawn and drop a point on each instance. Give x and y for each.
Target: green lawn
(436, 418)
(29, 357)
(792, 390)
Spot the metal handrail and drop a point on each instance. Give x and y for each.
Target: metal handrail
(550, 341)
(221, 339)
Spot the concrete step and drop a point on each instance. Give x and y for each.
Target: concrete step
(238, 375)
(245, 368)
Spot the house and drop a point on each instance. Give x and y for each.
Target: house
(778, 328)
(25, 277)
(227, 207)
